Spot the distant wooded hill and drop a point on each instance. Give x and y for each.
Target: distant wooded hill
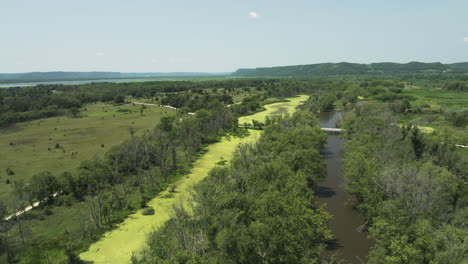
(345, 68)
(59, 75)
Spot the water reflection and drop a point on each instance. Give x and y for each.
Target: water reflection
(349, 244)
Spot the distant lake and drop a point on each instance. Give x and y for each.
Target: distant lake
(6, 85)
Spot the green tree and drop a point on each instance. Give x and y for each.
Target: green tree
(44, 185)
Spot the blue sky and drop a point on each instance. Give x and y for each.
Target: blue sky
(220, 36)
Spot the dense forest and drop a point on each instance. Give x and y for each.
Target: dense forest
(346, 68)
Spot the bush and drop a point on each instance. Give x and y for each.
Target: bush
(173, 188)
(9, 172)
(143, 201)
(48, 211)
(148, 211)
(118, 99)
(64, 200)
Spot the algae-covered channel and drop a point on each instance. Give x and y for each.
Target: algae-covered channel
(118, 245)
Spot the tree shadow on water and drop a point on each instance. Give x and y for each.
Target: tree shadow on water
(333, 244)
(324, 192)
(327, 154)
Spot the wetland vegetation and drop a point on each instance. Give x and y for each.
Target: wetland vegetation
(122, 169)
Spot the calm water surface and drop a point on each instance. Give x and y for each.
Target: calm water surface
(349, 244)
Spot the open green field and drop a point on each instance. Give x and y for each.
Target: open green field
(117, 246)
(438, 97)
(273, 109)
(25, 146)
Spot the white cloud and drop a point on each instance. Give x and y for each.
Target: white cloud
(154, 60)
(100, 54)
(253, 15)
(465, 39)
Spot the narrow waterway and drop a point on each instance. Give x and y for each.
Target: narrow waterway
(349, 244)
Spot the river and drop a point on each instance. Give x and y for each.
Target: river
(349, 244)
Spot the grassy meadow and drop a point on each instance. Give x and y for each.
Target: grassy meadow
(438, 97)
(59, 144)
(435, 101)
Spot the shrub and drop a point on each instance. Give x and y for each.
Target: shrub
(118, 99)
(148, 211)
(222, 162)
(143, 201)
(173, 188)
(9, 171)
(47, 211)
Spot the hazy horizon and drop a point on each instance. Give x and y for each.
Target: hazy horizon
(220, 36)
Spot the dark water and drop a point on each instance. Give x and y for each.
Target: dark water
(349, 244)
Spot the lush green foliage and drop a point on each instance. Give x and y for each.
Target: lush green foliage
(260, 209)
(411, 187)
